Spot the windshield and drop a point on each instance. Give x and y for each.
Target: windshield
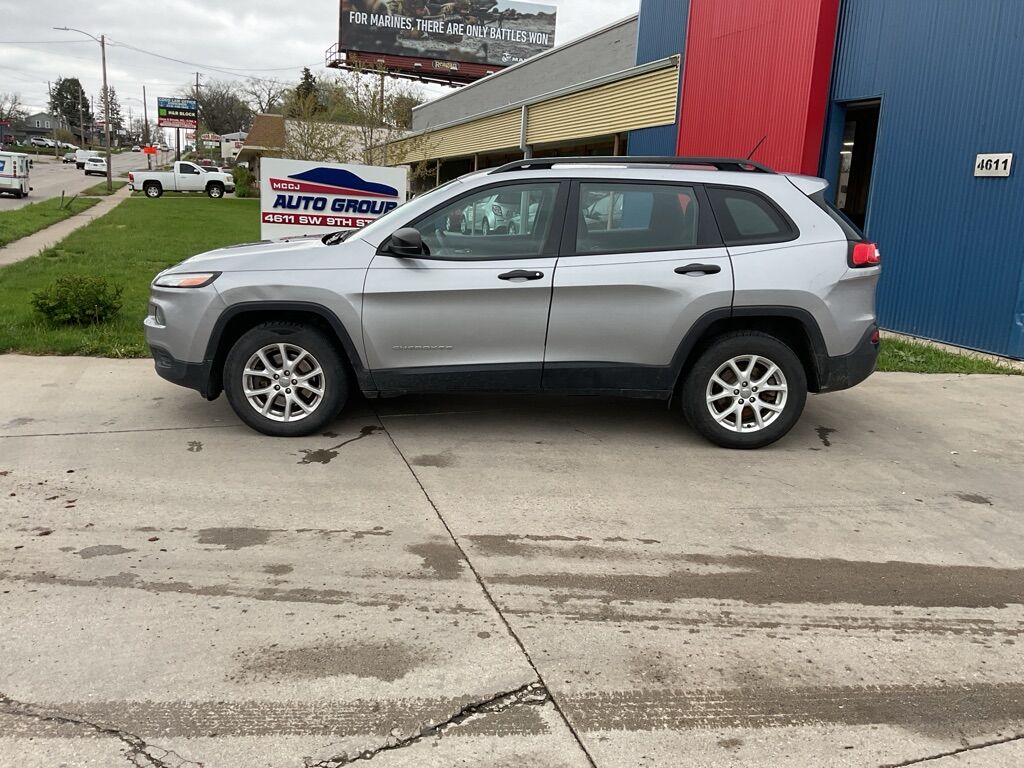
(382, 227)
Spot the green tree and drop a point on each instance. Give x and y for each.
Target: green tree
(221, 107)
(307, 84)
(69, 103)
(116, 118)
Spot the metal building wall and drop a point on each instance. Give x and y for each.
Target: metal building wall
(949, 75)
(661, 33)
(758, 68)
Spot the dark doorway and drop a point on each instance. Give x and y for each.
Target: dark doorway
(856, 158)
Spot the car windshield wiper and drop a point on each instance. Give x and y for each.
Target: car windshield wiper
(333, 238)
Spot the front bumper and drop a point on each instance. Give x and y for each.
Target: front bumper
(191, 375)
(845, 371)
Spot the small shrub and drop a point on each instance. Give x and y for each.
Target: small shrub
(78, 300)
(244, 179)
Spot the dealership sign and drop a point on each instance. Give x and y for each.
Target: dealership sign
(300, 197)
(176, 113)
(494, 32)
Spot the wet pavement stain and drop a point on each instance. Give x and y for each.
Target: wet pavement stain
(326, 455)
(20, 421)
(278, 570)
(103, 550)
(823, 435)
(194, 446)
(439, 460)
(762, 579)
(529, 545)
(381, 661)
(974, 498)
(441, 557)
(234, 538)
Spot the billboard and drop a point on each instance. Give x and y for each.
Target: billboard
(176, 113)
(302, 197)
(496, 33)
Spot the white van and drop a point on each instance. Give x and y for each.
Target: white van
(14, 173)
(82, 155)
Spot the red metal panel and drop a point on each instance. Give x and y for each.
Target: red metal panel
(758, 68)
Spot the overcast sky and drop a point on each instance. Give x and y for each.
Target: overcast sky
(257, 38)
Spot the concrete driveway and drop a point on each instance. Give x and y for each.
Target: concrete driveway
(498, 581)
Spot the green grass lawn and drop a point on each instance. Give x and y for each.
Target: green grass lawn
(128, 246)
(101, 188)
(915, 357)
(31, 218)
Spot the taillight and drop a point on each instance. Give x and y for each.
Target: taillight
(131, 177)
(876, 336)
(865, 255)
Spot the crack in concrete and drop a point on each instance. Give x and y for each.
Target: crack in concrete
(137, 751)
(488, 596)
(952, 752)
(531, 694)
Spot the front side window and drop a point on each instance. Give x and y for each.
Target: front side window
(511, 221)
(747, 218)
(617, 217)
(185, 168)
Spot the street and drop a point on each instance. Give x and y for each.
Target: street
(502, 581)
(50, 177)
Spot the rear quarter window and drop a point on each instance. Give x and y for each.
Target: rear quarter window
(746, 217)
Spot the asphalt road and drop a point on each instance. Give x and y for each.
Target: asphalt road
(547, 582)
(50, 177)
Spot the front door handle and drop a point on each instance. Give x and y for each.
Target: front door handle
(704, 269)
(521, 274)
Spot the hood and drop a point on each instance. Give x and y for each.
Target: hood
(293, 253)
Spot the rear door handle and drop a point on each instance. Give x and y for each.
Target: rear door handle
(704, 269)
(521, 274)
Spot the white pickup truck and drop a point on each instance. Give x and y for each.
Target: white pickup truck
(186, 177)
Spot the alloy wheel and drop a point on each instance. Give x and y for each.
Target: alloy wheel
(747, 393)
(283, 382)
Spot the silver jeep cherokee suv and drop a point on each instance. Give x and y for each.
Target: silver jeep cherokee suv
(714, 283)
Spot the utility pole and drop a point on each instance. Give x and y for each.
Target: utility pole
(199, 145)
(102, 40)
(56, 144)
(145, 128)
(106, 109)
(81, 118)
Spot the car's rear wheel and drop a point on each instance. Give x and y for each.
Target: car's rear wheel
(285, 379)
(746, 390)
(152, 189)
(215, 190)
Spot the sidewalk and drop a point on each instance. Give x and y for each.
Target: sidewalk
(44, 238)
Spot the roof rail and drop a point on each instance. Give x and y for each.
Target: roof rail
(719, 163)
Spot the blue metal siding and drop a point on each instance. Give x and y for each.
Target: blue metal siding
(949, 76)
(661, 33)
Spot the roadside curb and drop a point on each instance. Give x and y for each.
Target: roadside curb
(33, 244)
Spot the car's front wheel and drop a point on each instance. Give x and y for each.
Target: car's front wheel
(215, 190)
(746, 390)
(285, 379)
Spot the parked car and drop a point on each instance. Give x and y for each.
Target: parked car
(136, 148)
(185, 177)
(96, 165)
(69, 157)
(37, 141)
(65, 145)
(14, 173)
(733, 291)
(491, 214)
(164, 148)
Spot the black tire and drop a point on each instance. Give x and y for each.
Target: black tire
(152, 189)
(215, 190)
(308, 338)
(723, 349)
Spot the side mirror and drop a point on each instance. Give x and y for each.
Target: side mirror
(406, 243)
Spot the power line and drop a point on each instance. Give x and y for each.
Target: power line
(234, 71)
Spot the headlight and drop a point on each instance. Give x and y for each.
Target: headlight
(186, 280)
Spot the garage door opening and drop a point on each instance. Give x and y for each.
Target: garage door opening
(856, 158)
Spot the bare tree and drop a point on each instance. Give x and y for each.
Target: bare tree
(11, 107)
(221, 109)
(313, 131)
(265, 96)
(379, 110)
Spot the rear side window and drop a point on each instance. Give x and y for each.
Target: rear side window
(619, 217)
(748, 218)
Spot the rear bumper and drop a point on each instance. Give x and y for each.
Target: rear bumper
(191, 375)
(845, 371)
